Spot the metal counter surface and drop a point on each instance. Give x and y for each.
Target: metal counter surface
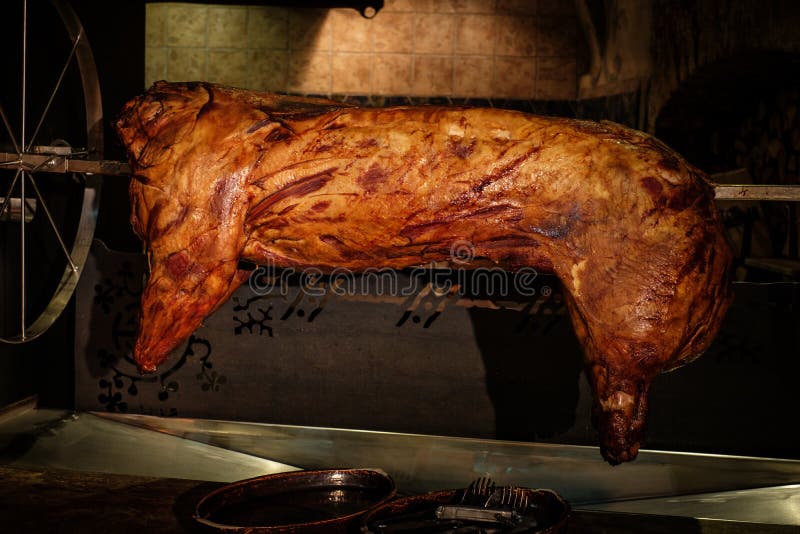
(711, 488)
(83, 442)
(778, 505)
(714, 487)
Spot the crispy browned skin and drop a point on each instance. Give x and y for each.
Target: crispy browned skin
(626, 224)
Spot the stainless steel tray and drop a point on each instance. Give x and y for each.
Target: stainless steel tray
(714, 487)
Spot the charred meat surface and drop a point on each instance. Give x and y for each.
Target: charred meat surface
(627, 225)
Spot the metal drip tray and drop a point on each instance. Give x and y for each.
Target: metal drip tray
(420, 463)
(83, 442)
(667, 484)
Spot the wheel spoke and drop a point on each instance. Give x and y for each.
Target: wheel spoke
(24, 68)
(8, 193)
(22, 255)
(55, 89)
(52, 223)
(8, 129)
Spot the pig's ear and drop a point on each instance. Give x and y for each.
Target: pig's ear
(172, 309)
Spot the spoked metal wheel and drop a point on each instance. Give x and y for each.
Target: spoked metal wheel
(52, 131)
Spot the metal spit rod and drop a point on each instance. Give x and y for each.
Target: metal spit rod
(46, 162)
(757, 192)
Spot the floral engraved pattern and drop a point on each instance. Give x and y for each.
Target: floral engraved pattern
(121, 386)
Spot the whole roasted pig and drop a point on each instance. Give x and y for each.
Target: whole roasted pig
(630, 229)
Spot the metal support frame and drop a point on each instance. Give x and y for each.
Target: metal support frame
(27, 161)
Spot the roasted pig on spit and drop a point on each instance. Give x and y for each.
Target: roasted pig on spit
(630, 229)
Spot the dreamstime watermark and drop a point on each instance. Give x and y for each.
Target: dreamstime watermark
(462, 252)
(457, 277)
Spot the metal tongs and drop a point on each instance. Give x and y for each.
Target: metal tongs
(483, 509)
(483, 502)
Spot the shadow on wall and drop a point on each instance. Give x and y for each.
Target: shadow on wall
(533, 373)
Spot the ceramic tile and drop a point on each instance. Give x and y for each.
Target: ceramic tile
(351, 73)
(309, 72)
(186, 64)
(186, 25)
(514, 77)
(155, 24)
(309, 29)
(267, 27)
(472, 76)
(556, 78)
(392, 6)
(228, 67)
(472, 6)
(268, 69)
(475, 34)
(434, 33)
(516, 36)
(453, 6)
(556, 36)
(433, 75)
(525, 7)
(430, 48)
(155, 64)
(429, 6)
(393, 32)
(392, 74)
(351, 31)
(227, 27)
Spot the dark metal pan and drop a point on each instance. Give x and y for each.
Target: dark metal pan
(300, 501)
